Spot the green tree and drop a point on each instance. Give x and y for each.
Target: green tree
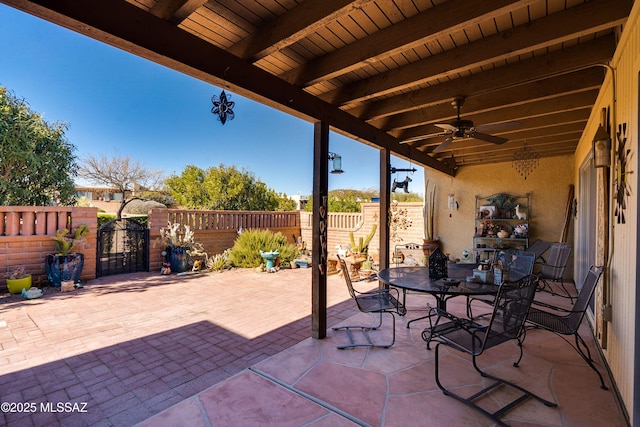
(349, 200)
(221, 187)
(285, 203)
(406, 197)
(37, 162)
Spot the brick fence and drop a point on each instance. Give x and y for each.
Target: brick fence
(26, 238)
(341, 225)
(217, 230)
(26, 232)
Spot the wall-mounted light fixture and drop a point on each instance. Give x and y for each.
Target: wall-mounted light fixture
(602, 144)
(337, 163)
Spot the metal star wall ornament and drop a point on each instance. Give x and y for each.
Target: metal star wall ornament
(223, 107)
(621, 179)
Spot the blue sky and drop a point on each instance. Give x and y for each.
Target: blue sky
(115, 102)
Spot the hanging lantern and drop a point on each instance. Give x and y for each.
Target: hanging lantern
(602, 143)
(601, 149)
(438, 264)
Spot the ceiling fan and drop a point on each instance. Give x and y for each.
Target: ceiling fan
(461, 128)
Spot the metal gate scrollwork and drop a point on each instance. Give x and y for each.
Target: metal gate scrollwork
(123, 247)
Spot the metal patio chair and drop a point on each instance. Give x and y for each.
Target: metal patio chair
(518, 264)
(564, 322)
(412, 249)
(539, 248)
(411, 254)
(379, 301)
(507, 323)
(553, 269)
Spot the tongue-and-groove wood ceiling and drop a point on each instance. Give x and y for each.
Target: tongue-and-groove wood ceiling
(383, 71)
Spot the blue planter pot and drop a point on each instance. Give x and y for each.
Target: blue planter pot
(61, 268)
(179, 259)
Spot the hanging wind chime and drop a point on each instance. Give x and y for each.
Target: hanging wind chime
(525, 160)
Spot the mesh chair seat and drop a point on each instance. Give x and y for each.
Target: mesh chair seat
(372, 302)
(562, 325)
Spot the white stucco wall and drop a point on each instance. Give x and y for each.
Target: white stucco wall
(619, 279)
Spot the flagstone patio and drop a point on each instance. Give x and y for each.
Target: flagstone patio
(233, 349)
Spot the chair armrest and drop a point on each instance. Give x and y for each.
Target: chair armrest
(458, 322)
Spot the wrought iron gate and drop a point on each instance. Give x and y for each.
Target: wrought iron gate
(123, 247)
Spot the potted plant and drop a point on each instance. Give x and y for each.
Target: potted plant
(366, 270)
(179, 242)
(18, 279)
(430, 244)
(361, 249)
(64, 265)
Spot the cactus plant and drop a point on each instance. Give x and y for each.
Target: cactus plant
(363, 243)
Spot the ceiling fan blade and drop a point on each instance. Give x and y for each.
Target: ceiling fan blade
(443, 146)
(446, 126)
(424, 137)
(488, 138)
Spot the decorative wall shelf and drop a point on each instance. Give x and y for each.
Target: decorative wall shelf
(502, 222)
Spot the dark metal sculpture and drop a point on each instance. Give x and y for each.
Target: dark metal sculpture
(223, 107)
(438, 264)
(621, 179)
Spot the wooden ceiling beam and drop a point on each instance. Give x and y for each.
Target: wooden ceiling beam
(492, 159)
(470, 147)
(578, 21)
(531, 126)
(556, 129)
(423, 28)
(147, 36)
(530, 135)
(549, 148)
(576, 116)
(598, 51)
(577, 101)
(294, 25)
(564, 84)
(175, 11)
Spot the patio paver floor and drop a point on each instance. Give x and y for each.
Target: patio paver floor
(234, 349)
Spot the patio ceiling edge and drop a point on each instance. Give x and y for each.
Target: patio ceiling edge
(132, 29)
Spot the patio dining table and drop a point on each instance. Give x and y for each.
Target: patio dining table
(417, 279)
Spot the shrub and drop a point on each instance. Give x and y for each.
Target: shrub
(219, 262)
(104, 218)
(141, 207)
(246, 249)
